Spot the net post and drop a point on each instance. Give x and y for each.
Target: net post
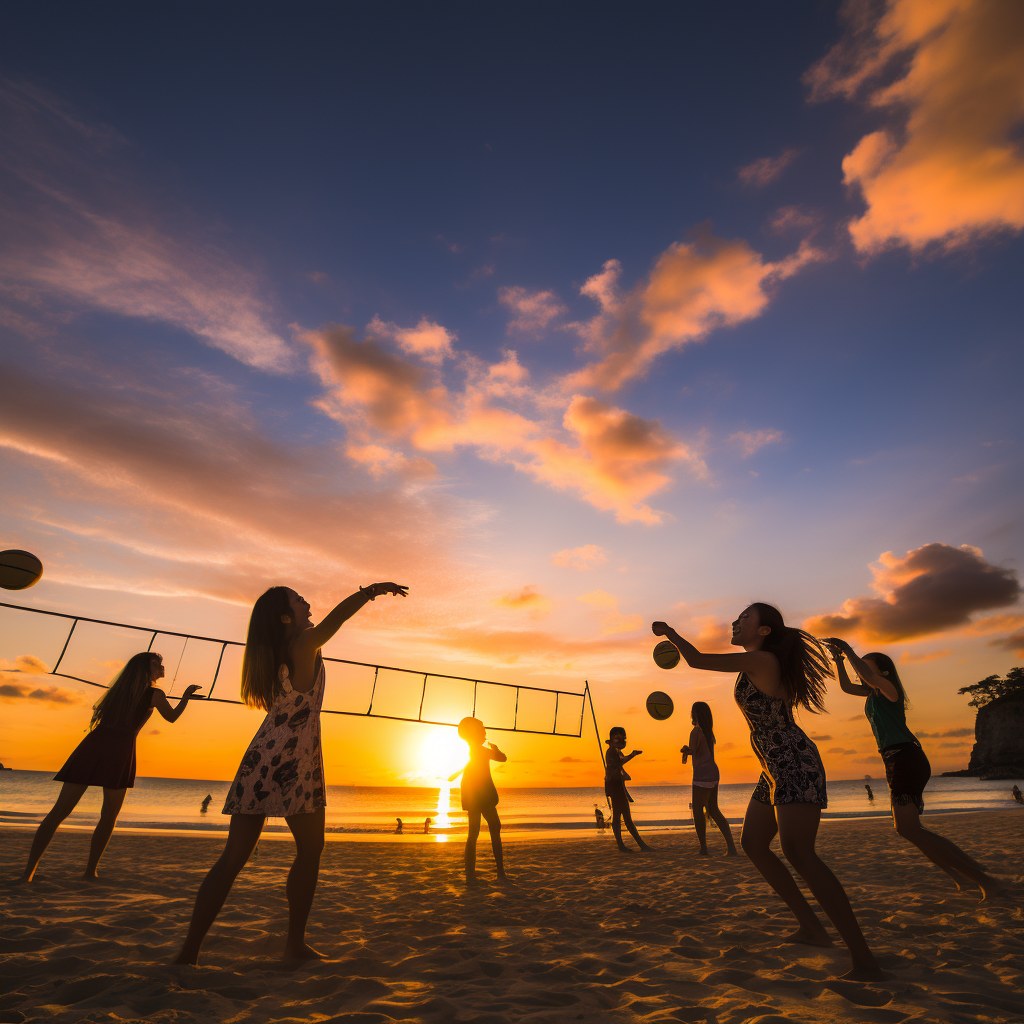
(423, 697)
(515, 716)
(593, 714)
(373, 691)
(554, 724)
(476, 683)
(216, 674)
(53, 671)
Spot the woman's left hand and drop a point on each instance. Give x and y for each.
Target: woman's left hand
(660, 628)
(396, 589)
(189, 690)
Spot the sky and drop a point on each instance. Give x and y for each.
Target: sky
(570, 318)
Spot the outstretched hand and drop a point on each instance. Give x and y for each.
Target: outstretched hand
(395, 589)
(660, 628)
(190, 690)
(836, 646)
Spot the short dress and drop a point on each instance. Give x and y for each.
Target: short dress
(615, 779)
(106, 757)
(907, 769)
(792, 770)
(705, 771)
(478, 792)
(282, 772)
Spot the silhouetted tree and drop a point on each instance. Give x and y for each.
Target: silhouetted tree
(991, 687)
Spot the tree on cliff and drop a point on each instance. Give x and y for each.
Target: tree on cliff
(992, 687)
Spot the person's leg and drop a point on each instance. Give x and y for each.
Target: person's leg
(67, 799)
(940, 851)
(627, 815)
(472, 832)
(798, 831)
(494, 827)
(243, 835)
(721, 821)
(699, 824)
(308, 833)
(112, 801)
(617, 826)
(759, 829)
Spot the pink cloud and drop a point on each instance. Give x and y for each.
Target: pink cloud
(428, 340)
(948, 77)
(527, 599)
(533, 311)
(584, 557)
(750, 442)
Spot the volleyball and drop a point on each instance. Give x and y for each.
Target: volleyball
(666, 655)
(659, 705)
(19, 569)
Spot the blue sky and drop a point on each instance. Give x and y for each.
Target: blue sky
(758, 268)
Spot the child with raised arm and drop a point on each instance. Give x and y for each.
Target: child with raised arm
(615, 779)
(282, 772)
(479, 797)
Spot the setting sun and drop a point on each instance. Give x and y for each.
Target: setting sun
(442, 753)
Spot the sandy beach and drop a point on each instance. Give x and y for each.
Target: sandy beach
(587, 934)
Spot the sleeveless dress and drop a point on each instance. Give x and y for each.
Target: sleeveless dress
(705, 771)
(792, 771)
(478, 792)
(106, 757)
(282, 772)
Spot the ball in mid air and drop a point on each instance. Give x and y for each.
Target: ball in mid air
(19, 569)
(666, 654)
(659, 705)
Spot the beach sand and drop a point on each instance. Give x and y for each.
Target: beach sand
(587, 934)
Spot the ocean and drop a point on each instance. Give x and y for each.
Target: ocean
(366, 811)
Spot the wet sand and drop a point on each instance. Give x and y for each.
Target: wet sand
(587, 934)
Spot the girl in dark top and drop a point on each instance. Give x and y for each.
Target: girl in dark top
(479, 797)
(782, 668)
(615, 779)
(706, 776)
(906, 768)
(106, 757)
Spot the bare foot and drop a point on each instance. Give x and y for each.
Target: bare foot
(644, 848)
(25, 878)
(703, 853)
(503, 879)
(301, 951)
(191, 959)
(471, 882)
(992, 888)
(732, 853)
(90, 878)
(807, 937)
(864, 972)
(625, 849)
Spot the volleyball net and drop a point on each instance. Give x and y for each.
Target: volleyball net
(36, 642)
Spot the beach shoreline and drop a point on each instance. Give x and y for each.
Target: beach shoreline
(586, 934)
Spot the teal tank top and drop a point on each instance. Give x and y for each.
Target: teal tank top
(888, 721)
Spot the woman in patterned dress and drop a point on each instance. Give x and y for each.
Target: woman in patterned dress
(282, 772)
(783, 667)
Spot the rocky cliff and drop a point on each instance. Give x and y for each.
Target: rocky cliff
(998, 740)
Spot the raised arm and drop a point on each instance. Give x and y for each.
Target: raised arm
(623, 758)
(495, 754)
(761, 666)
(163, 705)
(846, 684)
(872, 679)
(315, 637)
(452, 778)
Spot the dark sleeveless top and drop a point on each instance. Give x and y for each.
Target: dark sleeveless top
(478, 792)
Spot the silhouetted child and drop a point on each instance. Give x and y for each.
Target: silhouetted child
(479, 797)
(599, 818)
(615, 779)
(398, 825)
(871, 796)
(1017, 795)
(426, 826)
(204, 806)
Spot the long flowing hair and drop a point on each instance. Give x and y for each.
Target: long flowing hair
(885, 664)
(701, 713)
(805, 665)
(266, 649)
(117, 708)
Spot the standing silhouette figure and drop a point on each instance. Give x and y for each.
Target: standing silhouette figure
(106, 757)
(281, 774)
(615, 779)
(705, 779)
(781, 668)
(479, 797)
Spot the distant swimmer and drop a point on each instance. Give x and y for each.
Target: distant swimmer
(479, 797)
(906, 768)
(781, 669)
(426, 826)
(106, 757)
(871, 796)
(602, 823)
(615, 779)
(204, 806)
(701, 748)
(282, 771)
(1017, 795)
(398, 825)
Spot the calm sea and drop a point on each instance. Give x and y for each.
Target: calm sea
(362, 810)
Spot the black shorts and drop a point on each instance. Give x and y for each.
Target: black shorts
(907, 771)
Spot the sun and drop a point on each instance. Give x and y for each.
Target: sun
(442, 753)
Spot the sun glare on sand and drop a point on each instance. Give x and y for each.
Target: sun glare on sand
(442, 754)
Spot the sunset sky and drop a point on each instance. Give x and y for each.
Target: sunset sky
(569, 317)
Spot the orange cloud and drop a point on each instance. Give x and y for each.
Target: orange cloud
(1014, 643)
(694, 287)
(931, 589)
(585, 557)
(428, 340)
(906, 658)
(13, 690)
(765, 170)
(948, 166)
(607, 608)
(527, 599)
(28, 664)
(533, 310)
(751, 442)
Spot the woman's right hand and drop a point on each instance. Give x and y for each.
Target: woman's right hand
(396, 589)
(660, 628)
(686, 750)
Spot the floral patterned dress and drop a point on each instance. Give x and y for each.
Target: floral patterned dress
(282, 772)
(792, 769)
